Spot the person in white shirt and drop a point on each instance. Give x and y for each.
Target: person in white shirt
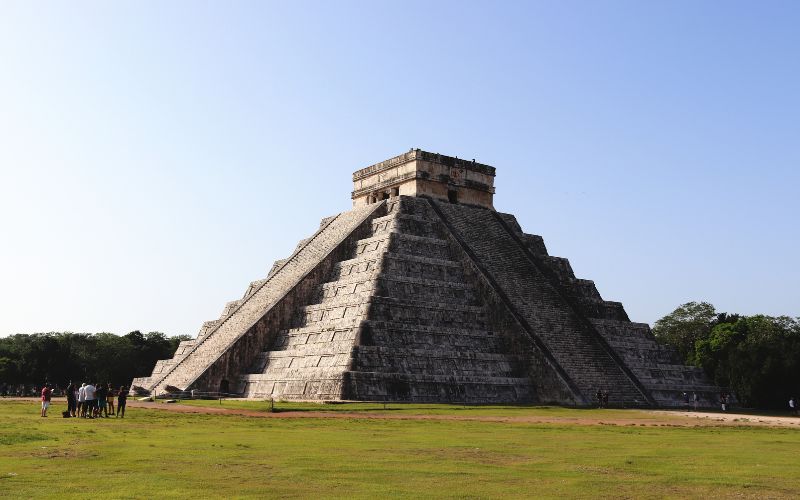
(90, 400)
(82, 400)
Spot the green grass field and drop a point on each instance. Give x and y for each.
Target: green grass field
(157, 453)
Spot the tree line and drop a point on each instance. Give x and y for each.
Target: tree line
(61, 357)
(755, 357)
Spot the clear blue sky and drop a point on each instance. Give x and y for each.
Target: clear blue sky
(155, 157)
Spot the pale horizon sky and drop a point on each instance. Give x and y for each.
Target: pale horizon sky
(157, 157)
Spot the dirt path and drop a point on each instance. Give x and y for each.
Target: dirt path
(644, 418)
(734, 418)
(638, 417)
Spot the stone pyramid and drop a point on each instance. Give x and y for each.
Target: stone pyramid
(423, 292)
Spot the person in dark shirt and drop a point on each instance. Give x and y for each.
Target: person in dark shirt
(101, 393)
(110, 398)
(72, 403)
(122, 399)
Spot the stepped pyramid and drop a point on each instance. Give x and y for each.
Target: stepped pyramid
(423, 292)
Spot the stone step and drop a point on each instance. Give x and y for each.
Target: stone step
(375, 386)
(319, 388)
(315, 329)
(427, 313)
(276, 364)
(254, 285)
(329, 372)
(229, 308)
(291, 341)
(390, 334)
(602, 309)
(277, 265)
(394, 264)
(207, 327)
(398, 287)
(392, 309)
(405, 223)
(412, 206)
(362, 265)
(402, 243)
(314, 349)
(433, 362)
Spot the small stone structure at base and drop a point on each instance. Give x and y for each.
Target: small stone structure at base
(423, 292)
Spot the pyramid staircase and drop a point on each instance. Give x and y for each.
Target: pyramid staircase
(397, 320)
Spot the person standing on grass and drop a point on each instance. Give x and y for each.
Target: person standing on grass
(696, 400)
(686, 400)
(77, 393)
(47, 394)
(793, 405)
(71, 400)
(91, 402)
(100, 394)
(82, 400)
(122, 400)
(110, 397)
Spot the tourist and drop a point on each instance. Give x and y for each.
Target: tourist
(599, 396)
(47, 393)
(793, 405)
(686, 400)
(100, 394)
(72, 401)
(696, 400)
(110, 398)
(76, 394)
(605, 399)
(82, 400)
(91, 402)
(723, 400)
(122, 399)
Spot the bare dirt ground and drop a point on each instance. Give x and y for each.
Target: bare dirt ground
(638, 417)
(644, 418)
(714, 418)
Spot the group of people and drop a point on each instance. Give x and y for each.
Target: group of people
(89, 400)
(695, 399)
(724, 397)
(602, 398)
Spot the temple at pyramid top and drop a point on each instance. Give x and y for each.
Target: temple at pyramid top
(420, 173)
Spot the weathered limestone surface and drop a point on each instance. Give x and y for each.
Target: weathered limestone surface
(423, 292)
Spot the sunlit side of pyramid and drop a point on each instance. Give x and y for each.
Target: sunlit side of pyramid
(423, 292)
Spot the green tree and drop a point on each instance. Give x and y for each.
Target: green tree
(61, 357)
(758, 357)
(684, 326)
